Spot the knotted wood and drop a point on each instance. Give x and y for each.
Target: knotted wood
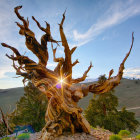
(62, 113)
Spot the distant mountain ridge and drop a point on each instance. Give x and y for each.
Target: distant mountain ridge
(128, 93)
(89, 80)
(9, 97)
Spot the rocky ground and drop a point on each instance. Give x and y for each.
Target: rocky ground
(96, 134)
(35, 136)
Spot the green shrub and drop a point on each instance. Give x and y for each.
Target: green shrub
(102, 112)
(23, 136)
(6, 138)
(124, 133)
(30, 109)
(115, 137)
(93, 127)
(138, 137)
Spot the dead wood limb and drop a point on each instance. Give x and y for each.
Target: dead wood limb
(5, 121)
(61, 93)
(112, 82)
(74, 63)
(73, 49)
(32, 44)
(84, 75)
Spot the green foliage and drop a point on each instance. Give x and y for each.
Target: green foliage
(30, 109)
(128, 120)
(136, 82)
(138, 137)
(102, 111)
(115, 137)
(124, 133)
(23, 136)
(6, 138)
(101, 79)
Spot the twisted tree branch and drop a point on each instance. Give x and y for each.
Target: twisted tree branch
(112, 82)
(84, 75)
(74, 63)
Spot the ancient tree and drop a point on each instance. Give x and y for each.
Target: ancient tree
(62, 113)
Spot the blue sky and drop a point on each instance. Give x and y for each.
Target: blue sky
(101, 29)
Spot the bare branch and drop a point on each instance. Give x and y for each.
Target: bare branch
(73, 49)
(47, 37)
(12, 57)
(129, 50)
(62, 95)
(59, 60)
(5, 122)
(84, 75)
(75, 62)
(110, 73)
(32, 44)
(12, 48)
(111, 83)
(40, 27)
(18, 70)
(26, 23)
(20, 26)
(29, 64)
(62, 21)
(26, 75)
(54, 55)
(63, 38)
(67, 67)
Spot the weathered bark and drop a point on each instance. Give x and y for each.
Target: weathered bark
(62, 113)
(5, 121)
(78, 80)
(111, 82)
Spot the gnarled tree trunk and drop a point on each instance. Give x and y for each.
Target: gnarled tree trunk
(62, 113)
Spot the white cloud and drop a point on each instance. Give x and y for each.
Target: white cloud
(51, 64)
(116, 14)
(4, 69)
(61, 52)
(132, 73)
(6, 20)
(8, 28)
(9, 34)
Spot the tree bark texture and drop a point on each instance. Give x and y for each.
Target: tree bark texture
(63, 113)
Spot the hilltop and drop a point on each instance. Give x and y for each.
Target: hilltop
(128, 93)
(9, 97)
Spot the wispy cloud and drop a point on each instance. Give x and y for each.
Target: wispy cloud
(61, 52)
(5, 69)
(51, 65)
(8, 28)
(132, 73)
(116, 14)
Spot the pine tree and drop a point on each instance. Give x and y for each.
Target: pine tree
(30, 109)
(102, 111)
